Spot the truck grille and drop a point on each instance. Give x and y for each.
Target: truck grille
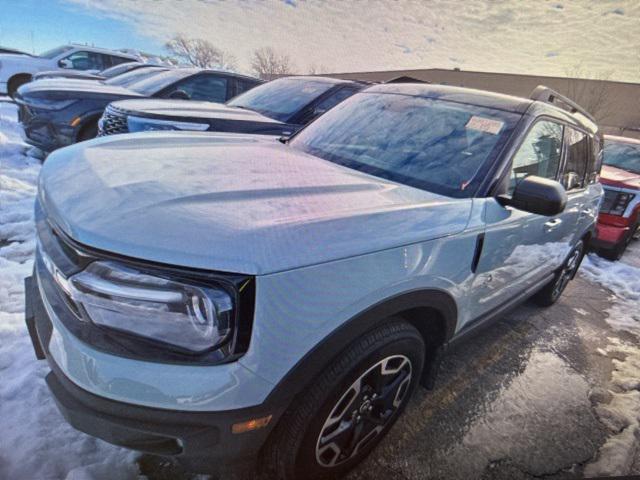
(114, 121)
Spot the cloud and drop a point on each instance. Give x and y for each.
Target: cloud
(508, 36)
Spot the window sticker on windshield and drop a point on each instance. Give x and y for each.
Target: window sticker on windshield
(486, 125)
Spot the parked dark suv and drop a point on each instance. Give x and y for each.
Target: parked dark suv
(279, 107)
(219, 297)
(59, 112)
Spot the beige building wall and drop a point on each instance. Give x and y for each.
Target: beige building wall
(615, 105)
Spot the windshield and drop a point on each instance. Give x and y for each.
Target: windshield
(54, 52)
(622, 155)
(155, 83)
(118, 69)
(281, 99)
(436, 145)
(134, 76)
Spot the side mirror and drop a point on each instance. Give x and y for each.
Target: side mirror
(537, 195)
(65, 63)
(179, 95)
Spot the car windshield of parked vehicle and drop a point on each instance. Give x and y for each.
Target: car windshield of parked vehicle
(129, 78)
(435, 145)
(281, 99)
(622, 155)
(54, 52)
(155, 83)
(118, 69)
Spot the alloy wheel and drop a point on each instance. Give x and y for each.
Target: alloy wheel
(364, 410)
(567, 272)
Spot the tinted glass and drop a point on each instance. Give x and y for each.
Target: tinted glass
(211, 88)
(577, 157)
(154, 83)
(54, 52)
(622, 155)
(539, 154)
(134, 76)
(244, 85)
(118, 69)
(335, 98)
(86, 61)
(281, 99)
(435, 145)
(115, 60)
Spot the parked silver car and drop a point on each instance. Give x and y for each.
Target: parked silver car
(220, 298)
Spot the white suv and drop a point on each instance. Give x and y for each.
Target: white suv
(18, 68)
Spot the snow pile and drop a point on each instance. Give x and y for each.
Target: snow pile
(620, 414)
(36, 442)
(623, 279)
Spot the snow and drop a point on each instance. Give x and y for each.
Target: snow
(623, 279)
(621, 413)
(36, 442)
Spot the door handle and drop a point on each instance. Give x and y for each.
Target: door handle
(551, 224)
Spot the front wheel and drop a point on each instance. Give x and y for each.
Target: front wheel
(552, 291)
(347, 410)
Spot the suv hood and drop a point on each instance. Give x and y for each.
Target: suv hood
(182, 109)
(70, 74)
(73, 87)
(235, 203)
(617, 177)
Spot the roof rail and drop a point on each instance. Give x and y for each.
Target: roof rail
(547, 95)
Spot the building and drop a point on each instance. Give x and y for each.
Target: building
(615, 105)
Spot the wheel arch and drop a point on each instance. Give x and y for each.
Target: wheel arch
(16, 76)
(432, 312)
(86, 121)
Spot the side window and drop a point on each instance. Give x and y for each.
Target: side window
(244, 85)
(118, 60)
(210, 88)
(86, 61)
(539, 154)
(334, 99)
(576, 159)
(595, 159)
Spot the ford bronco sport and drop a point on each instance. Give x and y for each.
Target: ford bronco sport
(219, 298)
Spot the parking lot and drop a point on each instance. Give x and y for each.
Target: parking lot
(550, 393)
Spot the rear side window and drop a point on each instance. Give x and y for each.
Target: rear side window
(118, 60)
(577, 156)
(244, 85)
(209, 88)
(334, 99)
(86, 61)
(539, 154)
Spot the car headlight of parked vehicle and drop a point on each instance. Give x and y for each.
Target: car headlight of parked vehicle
(615, 203)
(140, 124)
(48, 104)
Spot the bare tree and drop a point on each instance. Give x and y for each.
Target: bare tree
(593, 93)
(267, 63)
(316, 69)
(200, 53)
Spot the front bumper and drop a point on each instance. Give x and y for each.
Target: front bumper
(44, 130)
(200, 441)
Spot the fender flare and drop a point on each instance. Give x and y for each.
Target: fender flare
(337, 341)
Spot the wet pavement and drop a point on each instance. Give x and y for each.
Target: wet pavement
(515, 402)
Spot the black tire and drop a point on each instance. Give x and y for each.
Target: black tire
(553, 290)
(294, 449)
(16, 82)
(88, 131)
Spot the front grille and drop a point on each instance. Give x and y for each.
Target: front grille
(114, 121)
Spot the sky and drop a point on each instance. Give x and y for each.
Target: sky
(599, 39)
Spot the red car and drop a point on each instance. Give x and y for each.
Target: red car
(620, 209)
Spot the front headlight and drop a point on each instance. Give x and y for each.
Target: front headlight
(140, 124)
(47, 104)
(189, 317)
